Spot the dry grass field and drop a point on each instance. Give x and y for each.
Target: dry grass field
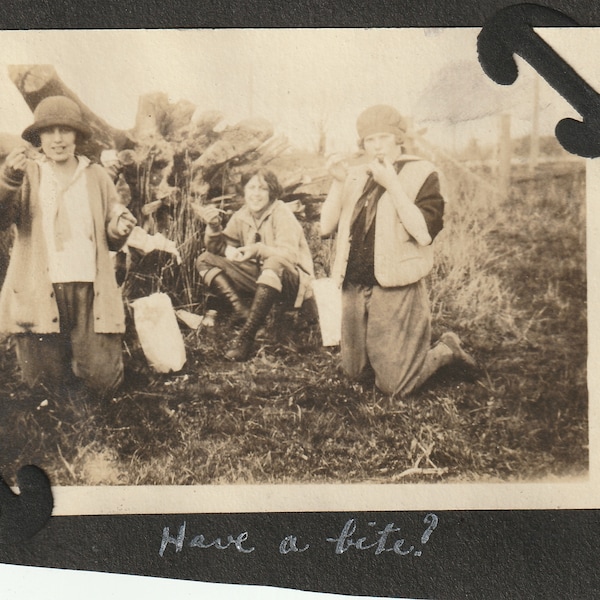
(510, 279)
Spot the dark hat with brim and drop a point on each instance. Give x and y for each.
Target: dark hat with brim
(56, 111)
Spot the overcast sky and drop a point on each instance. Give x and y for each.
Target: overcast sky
(291, 77)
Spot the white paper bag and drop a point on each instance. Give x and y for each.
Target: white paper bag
(158, 332)
(329, 304)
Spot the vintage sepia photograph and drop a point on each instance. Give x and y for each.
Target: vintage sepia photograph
(287, 257)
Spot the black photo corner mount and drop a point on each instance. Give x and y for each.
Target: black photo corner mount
(510, 31)
(25, 514)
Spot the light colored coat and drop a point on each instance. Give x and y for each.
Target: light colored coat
(280, 235)
(27, 303)
(403, 251)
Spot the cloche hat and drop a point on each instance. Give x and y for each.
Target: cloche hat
(381, 119)
(52, 111)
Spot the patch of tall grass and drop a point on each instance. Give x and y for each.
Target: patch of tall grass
(466, 291)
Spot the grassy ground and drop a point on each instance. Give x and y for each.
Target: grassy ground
(510, 280)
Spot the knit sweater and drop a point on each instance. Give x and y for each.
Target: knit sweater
(27, 302)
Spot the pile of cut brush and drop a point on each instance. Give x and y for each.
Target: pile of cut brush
(173, 158)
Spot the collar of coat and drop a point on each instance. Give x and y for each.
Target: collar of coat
(246, 216)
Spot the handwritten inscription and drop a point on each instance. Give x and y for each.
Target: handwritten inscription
(345, 540)
(384, 540)
(378, 540)
(200, 541)
(290, 544)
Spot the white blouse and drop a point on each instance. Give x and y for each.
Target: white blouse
(72, 256)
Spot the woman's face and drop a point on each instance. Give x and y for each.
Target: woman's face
(381, 145)
(256, 195)
(58, 142)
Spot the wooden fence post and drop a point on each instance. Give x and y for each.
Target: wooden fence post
(534, 144)
(504, 155)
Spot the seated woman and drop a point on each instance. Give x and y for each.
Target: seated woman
(261, 252)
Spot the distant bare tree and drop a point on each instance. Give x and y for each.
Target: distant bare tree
(321, 122)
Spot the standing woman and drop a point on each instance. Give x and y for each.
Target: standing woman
(60, 298)
(386, 215)
(261, 253)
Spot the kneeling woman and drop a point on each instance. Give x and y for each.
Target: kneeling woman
(261, 252)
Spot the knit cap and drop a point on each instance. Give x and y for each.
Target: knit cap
(381, 119)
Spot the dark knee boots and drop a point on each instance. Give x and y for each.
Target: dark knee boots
(222, 286)
(264, 299)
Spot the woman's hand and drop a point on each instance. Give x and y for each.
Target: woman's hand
(248, 252)
(383, 173)
(232, 253)
(211, 215)
(125, 223)
(337, 167)
(16, 160)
